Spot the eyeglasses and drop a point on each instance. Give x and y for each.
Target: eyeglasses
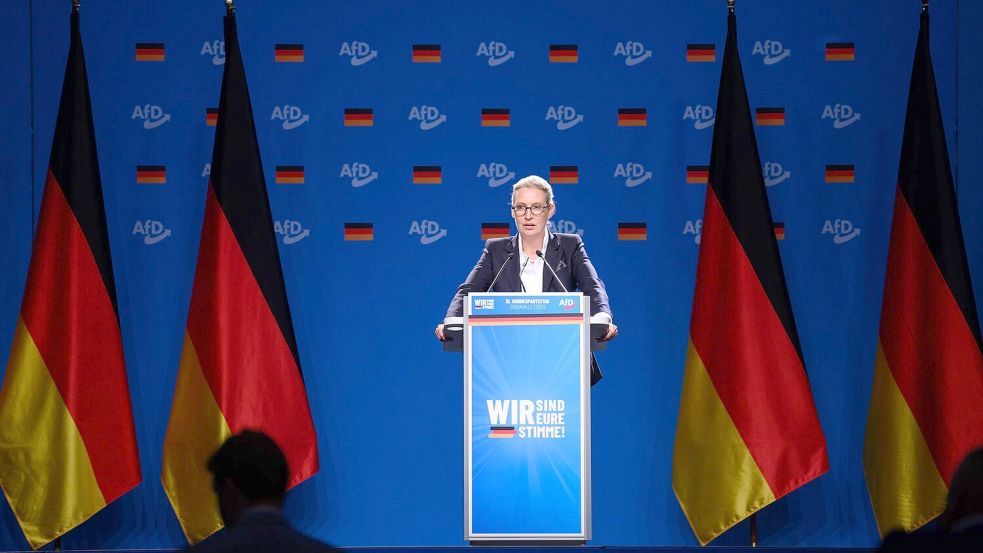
(537, 209)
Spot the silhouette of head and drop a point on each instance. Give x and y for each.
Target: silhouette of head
(249, 469)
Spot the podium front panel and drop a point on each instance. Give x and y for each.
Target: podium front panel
(527, 415)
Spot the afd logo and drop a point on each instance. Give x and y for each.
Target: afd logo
(566, 227)
(774, 173)
(360, 173)
(565, 116)
(215, 49)
(842, 230)
(567, 304)
(633, 51)
(771, 51)
(290, 117)
(480, 304)
(428, 231)
(633, 173)
(359, 52)
(428, 116)
(496, 52)
(151, 231)
(694, 228)
(702, 116)
(496, 173)
(842, 115)
(151, 115)
(292, 231)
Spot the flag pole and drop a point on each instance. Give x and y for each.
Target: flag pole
(924, 6)
(75, 5)
(230, 6)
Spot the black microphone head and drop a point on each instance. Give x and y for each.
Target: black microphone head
(539, 253)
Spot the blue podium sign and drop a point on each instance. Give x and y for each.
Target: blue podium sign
(527, 417)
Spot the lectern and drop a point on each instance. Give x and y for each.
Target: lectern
(527, 417)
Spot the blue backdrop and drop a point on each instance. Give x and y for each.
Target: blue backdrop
(386, 401)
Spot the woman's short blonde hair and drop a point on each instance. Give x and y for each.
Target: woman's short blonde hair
(534, 181)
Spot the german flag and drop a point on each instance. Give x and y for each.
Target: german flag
(840, 51)
(632, 231)
(358, 232)
(426, 53)
(495, 117)
(697, 174)
(779, 229)
(564, 174)
(769, 117)
(925, 413)
(151, 174)
(632, 117)
(747, 432)
(290, 174)
(150, 51)
(359, 117)
(288, 53)
(563, 53)
(240, 366)
(706, 53)
(499, 432)
(494, 230)
(67, 442)
(211, 116)
(427, 174)
(839, 174)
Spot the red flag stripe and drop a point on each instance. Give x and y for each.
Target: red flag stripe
(929, 346)
(243, 354)
(739, 359)
(90, 373)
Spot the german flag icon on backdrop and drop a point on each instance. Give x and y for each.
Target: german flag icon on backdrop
(495, 117)
(151, 174)
(427, 174)
(359, 117)
(239, 366)
(494, 230)
(211, 116)
(840, 51)
(632, 117)
(288, 53)
(632, 231)
(697, 174)
(925, 413)
(289, 174)
(769, 117)
(149, 51)
(705, 53)
(748, 432)
(564, 174)
(841, 173)
(426, 53)
(67, 442)
(359, 232)
(563, 53)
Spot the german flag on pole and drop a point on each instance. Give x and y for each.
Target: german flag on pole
(748, 432)
(239, 365)
(67, 445)
(925, 413)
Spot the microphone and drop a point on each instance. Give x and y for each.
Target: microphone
(523, 268)
(540, 254)
(499, 273)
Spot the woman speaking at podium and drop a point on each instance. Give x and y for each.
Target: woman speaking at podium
(535, 260)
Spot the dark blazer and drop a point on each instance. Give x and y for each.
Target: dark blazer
(263, 532)
(564, 252)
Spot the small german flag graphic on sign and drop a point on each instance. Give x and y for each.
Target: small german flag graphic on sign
(359, 117)
(841, 51)
(358, 232)
(495, 117)
(151, 174)
(290, 174)
(564, 174)
(426, 53)
(211, 116)
(427, 174)
(701, 53)
(498, 432)
(563, 53)
(697, 174)
(769, 117)
(288, 53)
(632, 231)
(779, 231)
(150, 51)
(632, 117)
(494, 230)
(840, 174)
